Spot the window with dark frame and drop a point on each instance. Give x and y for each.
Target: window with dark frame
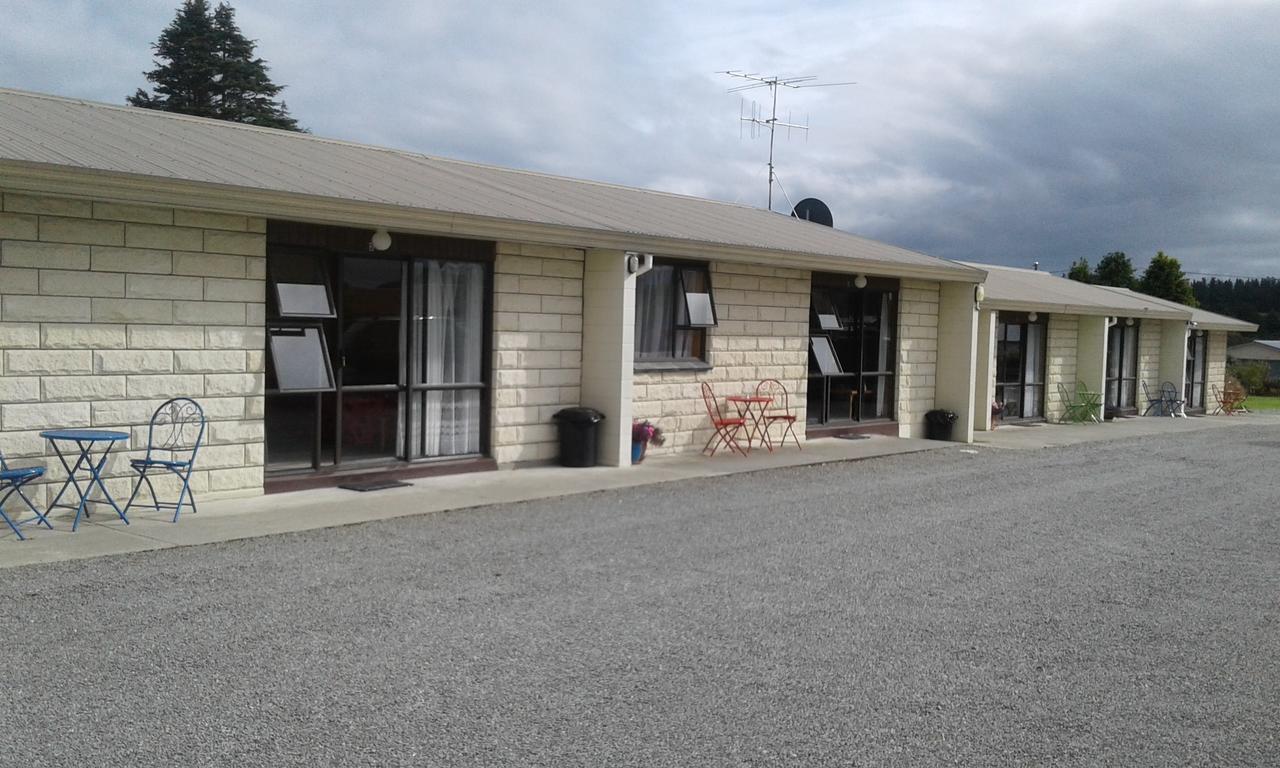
(300, 287)
(299, 359)
(674, 307)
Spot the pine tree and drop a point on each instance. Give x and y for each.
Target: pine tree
(1115, 269)
(206, 67)
(1164, 278)
(1080, 271)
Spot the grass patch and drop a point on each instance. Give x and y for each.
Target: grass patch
(1260, 403)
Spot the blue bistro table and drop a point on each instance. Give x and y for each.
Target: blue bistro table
(85, 441)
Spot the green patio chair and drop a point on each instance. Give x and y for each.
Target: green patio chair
(1072, 411)
(1090, 403)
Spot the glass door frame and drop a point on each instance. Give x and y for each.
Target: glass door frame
(1197, 353)
(1115, 406)
(330, 246)
(341, 388)
(412, 436)
(1023, 321)
(852, 319)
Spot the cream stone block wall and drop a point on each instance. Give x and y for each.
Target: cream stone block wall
(1215, 363)
(917, 354)
(763, 333)
(107, 309)
(537, 347)
(1060, 362)
(1150, 335)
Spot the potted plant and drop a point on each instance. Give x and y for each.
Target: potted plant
(643, 434)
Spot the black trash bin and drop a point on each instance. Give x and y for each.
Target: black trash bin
(579, 436)
(938, 424)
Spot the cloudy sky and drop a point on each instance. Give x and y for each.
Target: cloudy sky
(1004, 132)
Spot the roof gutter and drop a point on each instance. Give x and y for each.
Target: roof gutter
(87, 182)
(1080, 309)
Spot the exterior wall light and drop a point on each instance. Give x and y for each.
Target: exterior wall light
(381, 240)
(860, 282)
(1032, 317)
(979, 293)
(1128, 321)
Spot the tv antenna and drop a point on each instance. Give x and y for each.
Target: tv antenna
(758, 121)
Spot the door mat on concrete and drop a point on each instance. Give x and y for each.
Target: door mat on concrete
(854, 437)
(374, 485)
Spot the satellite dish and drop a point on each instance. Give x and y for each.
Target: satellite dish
(813, 209)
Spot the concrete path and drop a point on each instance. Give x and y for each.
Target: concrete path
(231, 519)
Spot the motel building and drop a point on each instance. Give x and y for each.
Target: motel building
(1041, 335)
(343, 311)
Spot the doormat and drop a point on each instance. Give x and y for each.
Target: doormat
(854, 437)
(1024, 424)
(373, 485)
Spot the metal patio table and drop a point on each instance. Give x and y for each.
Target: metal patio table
(85, 441)
(751, 410)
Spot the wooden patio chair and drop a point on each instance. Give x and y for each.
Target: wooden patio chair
(726, 427)
(778, 412)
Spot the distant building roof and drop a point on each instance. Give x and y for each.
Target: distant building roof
(1258, 349)
(1029, 290)
(41, 134)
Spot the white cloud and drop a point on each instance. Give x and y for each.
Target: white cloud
(1000, 130)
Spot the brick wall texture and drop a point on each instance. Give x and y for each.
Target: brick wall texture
(1060, 362)
(1215, 363)
(537, 366)
(107, 309)
(763, 333)
(1150, 334)
(918, 354)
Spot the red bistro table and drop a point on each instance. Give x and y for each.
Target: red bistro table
(751, 409)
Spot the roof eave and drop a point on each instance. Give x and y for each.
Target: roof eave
(1010, 305)
(88, 182)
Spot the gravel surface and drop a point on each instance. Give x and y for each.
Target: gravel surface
(1104, 604)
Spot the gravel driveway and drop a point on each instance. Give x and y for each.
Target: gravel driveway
(1102, 604)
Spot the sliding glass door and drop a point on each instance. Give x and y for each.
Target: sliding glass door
(852, 349)
(375, 359)
(1122, 368)
(448, 361)
(370, 391)
(1196, 377)
(1020, 360)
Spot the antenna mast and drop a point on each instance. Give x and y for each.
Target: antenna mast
(757, 120)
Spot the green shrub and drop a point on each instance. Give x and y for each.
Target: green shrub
(1253, 375)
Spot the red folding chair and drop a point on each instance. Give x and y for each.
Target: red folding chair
(778, 412)
(727, 428)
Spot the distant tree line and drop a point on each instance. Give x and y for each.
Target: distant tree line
(1255, 299)
(1163, 276)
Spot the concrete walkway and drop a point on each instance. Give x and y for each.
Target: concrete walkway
(231, 519)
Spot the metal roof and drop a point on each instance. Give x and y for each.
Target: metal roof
(1258, 349)
(55, 132)
(1209, 321)
(1014, 288)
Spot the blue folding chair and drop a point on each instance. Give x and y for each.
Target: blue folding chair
(11, 482)
(176, 431)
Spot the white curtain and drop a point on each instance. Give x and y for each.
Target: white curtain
(657, 295)
(452, 345)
